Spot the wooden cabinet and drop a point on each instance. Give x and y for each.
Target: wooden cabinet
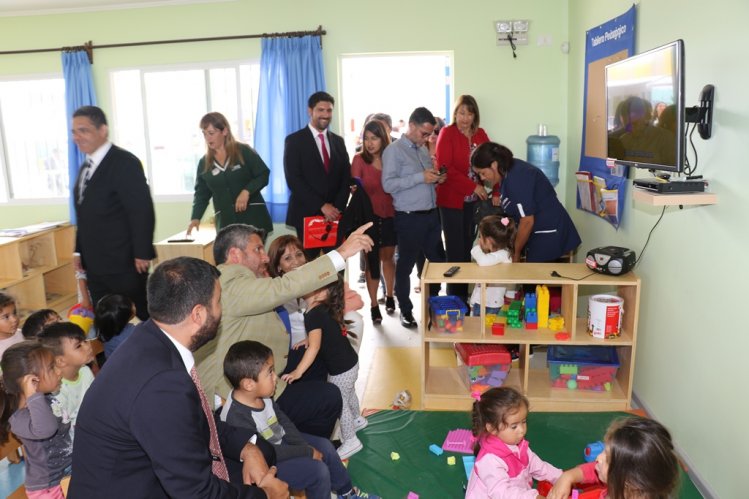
(445, 388)
(200, 247)
(37, 269)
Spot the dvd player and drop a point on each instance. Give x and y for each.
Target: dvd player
(662, 186)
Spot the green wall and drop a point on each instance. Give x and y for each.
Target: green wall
(691, 353)
(689, 357)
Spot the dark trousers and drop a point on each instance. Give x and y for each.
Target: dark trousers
(313, 406)
(460, 231)
(131, 284)
(417, 233)
(316, 478)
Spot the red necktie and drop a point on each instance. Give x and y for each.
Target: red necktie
(218, 466)
(325, 155)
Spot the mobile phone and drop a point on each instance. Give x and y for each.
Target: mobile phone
(443, 170)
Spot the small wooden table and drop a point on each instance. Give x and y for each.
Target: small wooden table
(201, 245)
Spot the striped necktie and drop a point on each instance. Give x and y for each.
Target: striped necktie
(218, 466)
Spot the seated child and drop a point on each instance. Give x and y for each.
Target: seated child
(37, 321)
(304, 461)
(505, 465)
(29, 372)
(112, 321)
(10, 334)
(496, 243)
(638, 462)
(72, 352)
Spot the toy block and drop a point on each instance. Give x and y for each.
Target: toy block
(412, 495)
(490, 319)
(394, 456)
(459, 441)
(436, 449)
(531, 325)
(542, 305)
(468, 462)
(568, 368)
(451, 460)
(562, 336)
(572, 384)
(498, 329)
(556, 323)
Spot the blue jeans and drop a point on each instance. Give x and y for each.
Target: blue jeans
(316, 478)
(476, 310)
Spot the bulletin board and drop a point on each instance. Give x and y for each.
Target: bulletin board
(601, 190)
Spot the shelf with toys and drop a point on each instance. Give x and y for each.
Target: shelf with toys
(446, 386)
(36, 267)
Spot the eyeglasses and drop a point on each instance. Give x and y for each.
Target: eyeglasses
(328, 228)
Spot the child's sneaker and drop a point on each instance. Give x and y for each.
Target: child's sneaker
(360, 423)
(356, 493)
(349, 448)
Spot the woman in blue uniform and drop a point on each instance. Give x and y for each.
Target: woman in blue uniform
(232, 174)
(545, 230)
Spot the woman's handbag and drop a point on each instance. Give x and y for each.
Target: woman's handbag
(485, 208)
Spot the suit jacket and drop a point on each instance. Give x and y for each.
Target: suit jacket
(116, 216)
(141, 430)
(310, 186)
(248, 306)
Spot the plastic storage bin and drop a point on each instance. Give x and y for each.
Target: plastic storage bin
(448, 313)
(484, 365)
(582, 368)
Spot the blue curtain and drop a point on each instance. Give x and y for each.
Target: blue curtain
(291, 69)
(79, 91)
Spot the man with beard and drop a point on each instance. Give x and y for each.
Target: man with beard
(249, 307)
(145, 428)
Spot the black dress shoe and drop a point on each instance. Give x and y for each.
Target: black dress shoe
(407, 320)
(376, 315)
(389, 304)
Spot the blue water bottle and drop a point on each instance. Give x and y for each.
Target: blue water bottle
(543, 153)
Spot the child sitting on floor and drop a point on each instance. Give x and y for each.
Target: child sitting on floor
(638, 462)
(72, 352)
(29, 372)
(304, 461)
(37, 321)
(505, 465)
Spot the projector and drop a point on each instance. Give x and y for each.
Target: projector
(611, 260)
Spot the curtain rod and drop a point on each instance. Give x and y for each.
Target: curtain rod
(88, 46)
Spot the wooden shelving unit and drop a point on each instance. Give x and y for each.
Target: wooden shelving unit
(37, 269)
(445, 388)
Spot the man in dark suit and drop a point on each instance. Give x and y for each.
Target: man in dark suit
(114, 240)
(317, 168)
(143, 427)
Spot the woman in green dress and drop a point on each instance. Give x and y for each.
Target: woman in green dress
(232, 174)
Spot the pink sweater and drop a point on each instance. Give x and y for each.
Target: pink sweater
(490, 477)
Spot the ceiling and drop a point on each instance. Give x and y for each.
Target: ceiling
(40, 7)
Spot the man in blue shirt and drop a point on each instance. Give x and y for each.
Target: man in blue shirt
(409, 176)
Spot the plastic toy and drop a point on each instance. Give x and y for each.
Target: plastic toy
(82, 317)
(451, 460)
(412, 495)
(556, 323)
(514, 319)
(498, 329)
(592, 450)
(542, 305)
(402, 400)
(436, 449)
(468, 465)
(490, 319)
(394, 456)
(562, 336)
(459, 441)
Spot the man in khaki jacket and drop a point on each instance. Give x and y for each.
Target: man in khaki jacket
(248, 302)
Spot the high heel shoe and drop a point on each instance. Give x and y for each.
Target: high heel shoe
(376, 315)
(389, 304)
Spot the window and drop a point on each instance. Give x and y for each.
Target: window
(33, 140)
(395, 84)
(156, 113)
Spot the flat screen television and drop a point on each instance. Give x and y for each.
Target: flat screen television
(645, 109)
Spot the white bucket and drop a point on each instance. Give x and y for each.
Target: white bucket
(605, 316)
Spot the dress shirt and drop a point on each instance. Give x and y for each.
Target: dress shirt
(97, 156)
(316, 134)
(184, 352)
(403, 166)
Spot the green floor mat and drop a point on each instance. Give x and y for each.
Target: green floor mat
(557, 437)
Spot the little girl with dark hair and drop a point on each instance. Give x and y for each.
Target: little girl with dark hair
(505, 465)
(638, 462)
(496, 245)
(327, 336)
